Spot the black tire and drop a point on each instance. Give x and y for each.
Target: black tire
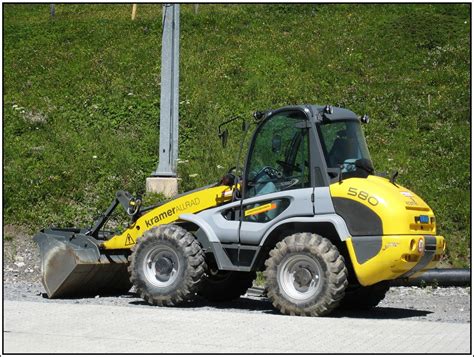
(166, 265)
(365, 297)
(305, 275)
(224, 286)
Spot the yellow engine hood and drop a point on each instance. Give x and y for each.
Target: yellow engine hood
(398, 208)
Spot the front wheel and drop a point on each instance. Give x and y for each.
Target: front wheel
(167, 265)
(305, 275)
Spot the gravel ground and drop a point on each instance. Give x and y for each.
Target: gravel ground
(21, 281)
(21, 262)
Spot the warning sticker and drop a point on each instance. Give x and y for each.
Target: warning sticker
(129, 240)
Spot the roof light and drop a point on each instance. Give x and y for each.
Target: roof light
(328, 109)
(258, 115)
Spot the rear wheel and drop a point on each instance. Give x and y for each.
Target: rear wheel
(167, 265)
(305, 275)
(221, 286)
(365, 297)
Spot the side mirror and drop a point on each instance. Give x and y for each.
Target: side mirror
(276, 143)
(223, 136)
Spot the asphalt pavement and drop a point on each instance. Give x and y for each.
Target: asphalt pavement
(35, 327)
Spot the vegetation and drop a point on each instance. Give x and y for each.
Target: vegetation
(81, 97)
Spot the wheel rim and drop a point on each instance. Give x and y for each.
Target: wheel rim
(161, 266)
(300, 277)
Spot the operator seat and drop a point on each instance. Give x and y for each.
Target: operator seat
(342, 149)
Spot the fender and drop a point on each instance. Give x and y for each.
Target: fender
(209, 241)
(336, 220)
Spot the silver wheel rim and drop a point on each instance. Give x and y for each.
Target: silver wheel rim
(161, 266)
(300, 277)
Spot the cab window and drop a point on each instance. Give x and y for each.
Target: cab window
(279, 157)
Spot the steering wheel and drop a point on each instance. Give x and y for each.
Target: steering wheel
(271, 172)
(290, 182)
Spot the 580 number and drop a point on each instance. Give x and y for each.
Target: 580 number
(363, 196)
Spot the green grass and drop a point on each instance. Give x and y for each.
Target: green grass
(81, 97)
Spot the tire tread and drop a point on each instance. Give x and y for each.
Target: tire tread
(336, 270)
(184, 242)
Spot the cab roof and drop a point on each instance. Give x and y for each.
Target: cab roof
(318, 114)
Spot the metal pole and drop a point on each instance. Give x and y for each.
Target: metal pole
(52, 10)
(168, 148)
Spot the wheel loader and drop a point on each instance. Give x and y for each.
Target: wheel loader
(308, 210)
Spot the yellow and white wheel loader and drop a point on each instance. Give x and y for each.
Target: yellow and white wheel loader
(307, 210)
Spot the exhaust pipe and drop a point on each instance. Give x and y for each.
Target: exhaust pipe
(72, 265)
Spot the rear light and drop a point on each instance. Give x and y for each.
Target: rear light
(421, 245)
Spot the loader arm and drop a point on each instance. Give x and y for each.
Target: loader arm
(169, 212)
(79, 262)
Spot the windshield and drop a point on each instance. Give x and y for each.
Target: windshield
(343, 144)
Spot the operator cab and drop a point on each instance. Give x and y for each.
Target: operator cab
(292, 148)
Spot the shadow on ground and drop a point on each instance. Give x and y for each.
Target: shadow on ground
(382, 313)
(264, 305)
(244, 303)
(254, 302)
(251, 303)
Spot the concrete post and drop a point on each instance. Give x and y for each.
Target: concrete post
(164, 179)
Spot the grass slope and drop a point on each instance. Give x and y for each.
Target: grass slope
(81, 97)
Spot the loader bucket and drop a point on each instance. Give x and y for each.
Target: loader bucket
(73, 266)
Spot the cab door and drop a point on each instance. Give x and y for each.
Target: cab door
(277, 180)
